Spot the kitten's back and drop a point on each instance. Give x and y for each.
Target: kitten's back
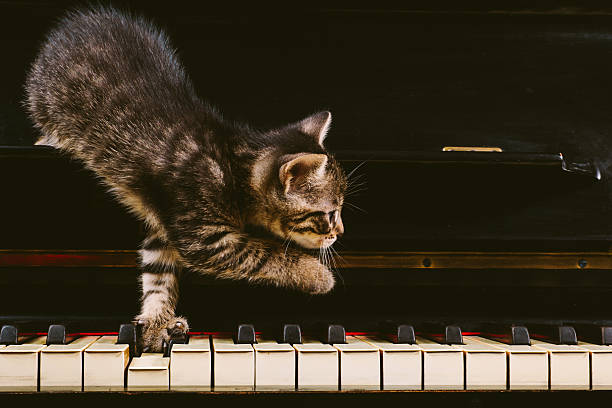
(104, 77)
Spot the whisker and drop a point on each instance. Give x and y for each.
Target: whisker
(356, 188)
(337, 270)
(287, 247)
(356, 185)
(355, 207)
(357, 178)
(355, 192)
(341, 244)
(355, 169)
(340, 257)
(288, 240)
(331, 257)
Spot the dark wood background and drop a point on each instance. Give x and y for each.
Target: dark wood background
(524, 76)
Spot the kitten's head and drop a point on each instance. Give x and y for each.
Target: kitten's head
(308, 186)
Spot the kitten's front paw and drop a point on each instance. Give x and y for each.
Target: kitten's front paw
(314, 277)
(156, 331)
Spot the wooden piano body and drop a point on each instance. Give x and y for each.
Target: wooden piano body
(521, 236)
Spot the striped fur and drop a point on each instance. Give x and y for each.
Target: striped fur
(217, 197)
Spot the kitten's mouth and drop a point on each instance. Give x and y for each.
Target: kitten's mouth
(316, 242)
(328, 241)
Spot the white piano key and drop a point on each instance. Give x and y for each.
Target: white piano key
(234, 364)
(601, 365)
(104, 365)
(485, 365)
(442, 365)
(317, 366)
(61, 365)
(191, 365)
(401, 364)
(149, 372)
(359, 364)
(19, 365)
(527, 365)
(274, 365)
(569, 365)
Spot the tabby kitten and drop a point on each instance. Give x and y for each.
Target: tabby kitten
(218, 198)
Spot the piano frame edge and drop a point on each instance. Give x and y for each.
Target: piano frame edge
(348, 260)
(295, 399)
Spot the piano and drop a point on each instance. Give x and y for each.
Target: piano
(476, 259)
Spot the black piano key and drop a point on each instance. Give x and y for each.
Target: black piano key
(520, 335)
(567, 335)
(8, 335)
(127, 335)
(398, 333)
(453, 335)
(336, 334)
(450, 334)
(593, 333)
(508, 334)
(554, 334)
(405, 334)
(606, 335)
(292, 334)
(167, 347)
(245, 334)
(56, 334)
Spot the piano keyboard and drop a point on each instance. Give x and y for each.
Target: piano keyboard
(554, 358)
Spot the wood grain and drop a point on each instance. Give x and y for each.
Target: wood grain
(346, 260)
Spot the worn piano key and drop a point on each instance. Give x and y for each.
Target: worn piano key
(601, 365)
(397, 333)
(514, 334)
(274, 365)
(401, 363)
(335, 334)
(594, 334)
(443, 334)
(485, 365)
(405, 334)
(443, 365)
(527, 365)
(128, 335)
(61, 365)
(149, 372)
(57, 335)
(234, 364)
(245, 334)
(8, 335)
(292, 334)
(359, 364)
(104, 365)
(569, 365)
(191, 365)
(555, 334)
(317, 365)
(19, 365)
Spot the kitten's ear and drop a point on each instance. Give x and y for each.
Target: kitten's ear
(298, 169)
(316, 126)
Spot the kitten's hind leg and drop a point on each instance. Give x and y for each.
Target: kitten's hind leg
(160, 265)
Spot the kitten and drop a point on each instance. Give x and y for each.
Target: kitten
(217, 198)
